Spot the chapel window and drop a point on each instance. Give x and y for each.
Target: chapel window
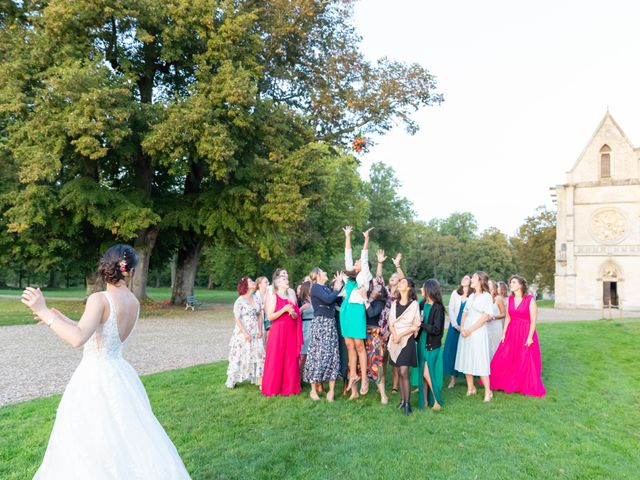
(605, 162)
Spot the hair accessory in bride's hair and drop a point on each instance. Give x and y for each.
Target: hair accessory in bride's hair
(123, 268)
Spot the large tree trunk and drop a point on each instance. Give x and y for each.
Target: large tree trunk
(144, 246)
(186, 268)
(53, 279)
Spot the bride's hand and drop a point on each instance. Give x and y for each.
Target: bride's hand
(33, 298)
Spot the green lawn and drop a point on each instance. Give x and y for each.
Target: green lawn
(69, 301)
(586, 427)
(156, 294)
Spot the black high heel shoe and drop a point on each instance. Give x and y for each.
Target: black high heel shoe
(407, 409)
(400, 405)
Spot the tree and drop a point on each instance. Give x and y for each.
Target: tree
(463, 226)
(535, 247)
(389, 212)
(491, 253)
(190, 115)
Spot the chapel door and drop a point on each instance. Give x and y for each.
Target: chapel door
(610, 293)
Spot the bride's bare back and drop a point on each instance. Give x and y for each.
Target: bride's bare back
(127, 308)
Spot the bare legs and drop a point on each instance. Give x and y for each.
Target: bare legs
(362, 360)
(428, 386)
(316, 387)
(471, 388)
(357, 353)
(452, 382)
(383, 394)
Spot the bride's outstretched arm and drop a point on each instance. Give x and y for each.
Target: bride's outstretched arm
(74, 334)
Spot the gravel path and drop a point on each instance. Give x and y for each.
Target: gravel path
(35, 363)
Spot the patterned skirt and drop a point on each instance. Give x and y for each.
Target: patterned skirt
(375, 346)
(323, 355)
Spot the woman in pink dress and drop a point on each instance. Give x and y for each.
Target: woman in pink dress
(281, 366)
(517, 365)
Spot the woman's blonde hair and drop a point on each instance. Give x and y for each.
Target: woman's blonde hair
(314, 274)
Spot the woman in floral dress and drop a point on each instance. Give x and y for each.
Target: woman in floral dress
(246, 348)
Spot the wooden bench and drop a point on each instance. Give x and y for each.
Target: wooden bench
(192, 303)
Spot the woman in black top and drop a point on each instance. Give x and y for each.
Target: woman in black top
(374, 342)
(429, 343)
(323, 356)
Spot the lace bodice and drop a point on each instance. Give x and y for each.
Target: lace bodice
(106, 341)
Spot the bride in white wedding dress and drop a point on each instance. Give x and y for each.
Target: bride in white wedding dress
(104, 427)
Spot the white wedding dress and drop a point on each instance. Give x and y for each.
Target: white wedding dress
(104, 427)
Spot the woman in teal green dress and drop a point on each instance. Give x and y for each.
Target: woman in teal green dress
(353, 317)
(429, 346)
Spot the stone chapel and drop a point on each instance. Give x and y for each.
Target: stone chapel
(598, 225)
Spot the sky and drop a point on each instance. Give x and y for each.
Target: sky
(525, 86)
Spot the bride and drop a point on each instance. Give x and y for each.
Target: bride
(104, 427)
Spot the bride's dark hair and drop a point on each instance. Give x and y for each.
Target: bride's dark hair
(117, 262)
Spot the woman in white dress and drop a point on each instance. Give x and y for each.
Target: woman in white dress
(246, 347)
(472, 357)
(494, 324)
(105, 428)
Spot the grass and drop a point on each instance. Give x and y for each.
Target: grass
(586, 426)
(155, 294)
(69, 301)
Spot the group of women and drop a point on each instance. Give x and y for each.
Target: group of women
(350, 328)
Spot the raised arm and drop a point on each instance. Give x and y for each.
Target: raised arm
(364, 254)
(366, 239)
(381, 259)
(348, 257)
(396, 263)
(75, 334)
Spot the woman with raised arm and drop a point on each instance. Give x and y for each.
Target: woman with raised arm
(392, 295)
(323, 357)
(353, 320)
(281, 364)
(104, 425)
(404, 322)
(517, 364)
(246, 348)
(494, 324)
(473, 357)
(457, 302)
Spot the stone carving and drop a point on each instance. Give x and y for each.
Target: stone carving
(610, 271)
(608, 225)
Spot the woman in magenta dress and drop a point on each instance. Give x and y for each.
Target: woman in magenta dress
(517, 365)
(281, 366)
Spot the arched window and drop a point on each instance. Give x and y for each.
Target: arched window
(605, 162)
